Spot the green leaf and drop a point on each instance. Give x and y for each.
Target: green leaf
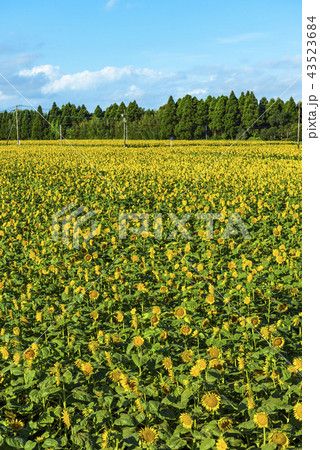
(207, 444)
(15, 442)
(176, 442)
(67, 376)
(247, 425)
(50, 443)
(138, 361)
(124, 420)
(30, 445)
(269, 447)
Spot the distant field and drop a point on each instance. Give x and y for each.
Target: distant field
(185, 335)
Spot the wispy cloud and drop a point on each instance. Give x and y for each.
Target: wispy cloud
(111, 4)
(242, 38)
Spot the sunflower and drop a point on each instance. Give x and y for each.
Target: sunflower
(255, 321)
(119, 316)
(210, 299)
(104, 437)
(234, 318)
(214, 352)
(16, 425)
(156, 310)
(115, 375)
(205, 324)
(138, 341)
(167, 363)
(201, 363)
(185, 330)
(93, 295)
(221, 444)
(5, 354)
(29, 355)
(225, 424)
(186, 420)
(186, 356)
(297, 411)
(165, 388)
(297, 363)
(154, 320)
(66, 418)
(216, 364)
(94, 315)
(278, 342)
(148, 435)
(180, 312)
(164, 335)
(241, 363)
(282, 307)
(280, 438)
(195, 371)
(211, 401)
(261, 419)
(87, 369)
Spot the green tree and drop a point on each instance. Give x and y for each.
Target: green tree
(250, 113)
(39, 126)
(168, 119)
(98, 112)
(232, 116)
(185, 118)
(217, 117)
(201, 120)
(133, 112)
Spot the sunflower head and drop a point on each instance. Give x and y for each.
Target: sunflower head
(221, 444)
(185, 330)
(16, 425)
(278, 342)
(297, 411)
(186, 420)
(138, 341)
(280, 438)
(214, 352)
(211, 401)
(261, 419)
(195, 371)
(167, 363)
(186, 356)
(148, 435)
(225, 424)
(180, 312)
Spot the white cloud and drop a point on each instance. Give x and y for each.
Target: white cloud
(51, 72)
(110, 4)
(81, 81)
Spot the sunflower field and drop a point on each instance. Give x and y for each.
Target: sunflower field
(178, 341)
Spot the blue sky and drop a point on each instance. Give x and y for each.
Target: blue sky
(100, 51)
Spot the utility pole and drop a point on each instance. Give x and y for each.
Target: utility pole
(60, 135)
(124, 129)
(17, 125)
(298, 138)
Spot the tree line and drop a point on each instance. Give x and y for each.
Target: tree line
(219, 117)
